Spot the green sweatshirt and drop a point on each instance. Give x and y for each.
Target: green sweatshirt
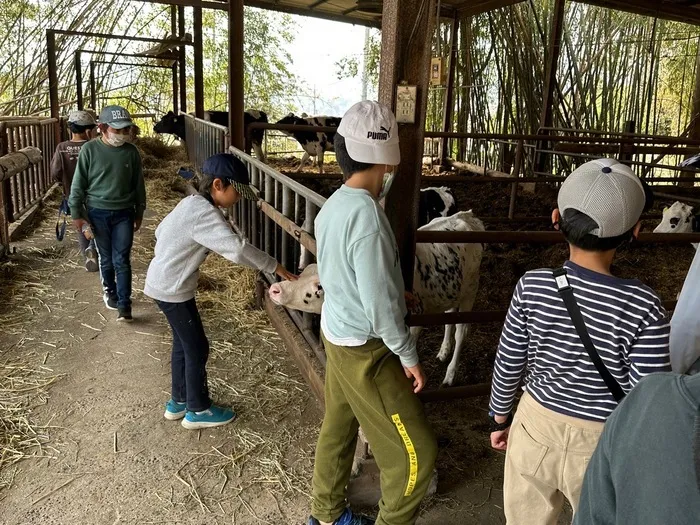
(107, 178)
(643, 471)
(358, 264)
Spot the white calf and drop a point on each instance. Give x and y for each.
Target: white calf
(679, 218)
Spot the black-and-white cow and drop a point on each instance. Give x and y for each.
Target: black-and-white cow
(445, 279)
(175, 125)
(314, 144)
(433, 203)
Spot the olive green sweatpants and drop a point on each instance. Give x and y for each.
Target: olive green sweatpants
(366, 386)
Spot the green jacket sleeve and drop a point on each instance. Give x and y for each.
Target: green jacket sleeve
(79, 186)
(597, 504)
(140, 186)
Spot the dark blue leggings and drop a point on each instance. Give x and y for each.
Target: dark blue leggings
(189, 356)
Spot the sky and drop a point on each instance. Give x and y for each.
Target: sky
(319, 44)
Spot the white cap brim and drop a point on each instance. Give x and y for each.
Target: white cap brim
(388, 154)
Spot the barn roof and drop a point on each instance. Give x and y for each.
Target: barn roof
(687, 11)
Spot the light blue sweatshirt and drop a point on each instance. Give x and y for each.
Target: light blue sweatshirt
(358, 264)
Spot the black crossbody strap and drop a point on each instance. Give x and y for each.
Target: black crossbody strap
(567, 294)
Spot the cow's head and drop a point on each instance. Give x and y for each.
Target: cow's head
(304, 294)
(679, 218)
(171, 123)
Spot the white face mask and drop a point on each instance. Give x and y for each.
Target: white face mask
(386, 185)
(115, 140)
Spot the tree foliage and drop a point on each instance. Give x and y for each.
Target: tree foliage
(268, 80)
(614, 67)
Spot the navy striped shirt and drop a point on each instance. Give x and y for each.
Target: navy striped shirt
(540, 347)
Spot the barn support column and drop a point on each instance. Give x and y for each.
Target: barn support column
(173, 33)
(93, 88)
(235, 74)
(53, 82)
(550, 81)
(79, 79)
(694, 127)
(406, 53)
(448, 109)
(182, 58)
(198, 64)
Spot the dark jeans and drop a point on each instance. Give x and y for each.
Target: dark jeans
(189, 357)
(114, 236)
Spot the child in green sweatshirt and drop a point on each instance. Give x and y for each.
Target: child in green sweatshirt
(108, 191)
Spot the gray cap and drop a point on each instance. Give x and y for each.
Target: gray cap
(81, 118)
(608, 192)
(115, 117)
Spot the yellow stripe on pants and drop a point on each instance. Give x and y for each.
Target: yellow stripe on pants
(412, 456)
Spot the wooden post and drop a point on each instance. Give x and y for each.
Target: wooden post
(550, 80)
(53, 81)
(235, 74)
(173, 33)
(406, 53)
(176, 94)
(79, 79)
(183, 58)
(93, 89)
(198, 64)
(628, 129)
(6, 211)
(694, 126)
(448, 108)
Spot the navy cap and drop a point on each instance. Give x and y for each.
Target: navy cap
(229, 167)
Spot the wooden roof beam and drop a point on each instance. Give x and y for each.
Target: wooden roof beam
(270, 6)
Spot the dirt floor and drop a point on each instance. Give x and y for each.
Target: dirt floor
(94, 447)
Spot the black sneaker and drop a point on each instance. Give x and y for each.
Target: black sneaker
(110, 301)
(125, 315)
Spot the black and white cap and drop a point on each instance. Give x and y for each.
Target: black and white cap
(608, 192)
(371, 134)
(81, 118)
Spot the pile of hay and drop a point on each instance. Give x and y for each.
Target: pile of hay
(160, 169)
(23, 381)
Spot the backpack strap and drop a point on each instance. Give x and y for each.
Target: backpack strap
(567, 295)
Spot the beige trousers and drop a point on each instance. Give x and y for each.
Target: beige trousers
(546, 460)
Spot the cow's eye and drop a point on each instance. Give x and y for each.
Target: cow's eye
(674, 221)
(320, 287)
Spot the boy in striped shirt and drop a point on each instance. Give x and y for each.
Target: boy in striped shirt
(561, 414)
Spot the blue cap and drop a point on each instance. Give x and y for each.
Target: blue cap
(229, 167)
(115, 117)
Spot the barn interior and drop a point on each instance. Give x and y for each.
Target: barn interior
(509, 179)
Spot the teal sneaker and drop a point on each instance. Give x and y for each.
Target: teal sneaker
(214, 417)
(175, 410)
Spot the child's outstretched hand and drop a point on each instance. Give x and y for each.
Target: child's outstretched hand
(416, 373)
(285, 274)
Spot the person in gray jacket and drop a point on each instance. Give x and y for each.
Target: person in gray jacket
(194, 228)
(646, 468)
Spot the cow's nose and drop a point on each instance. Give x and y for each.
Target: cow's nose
(275, 292)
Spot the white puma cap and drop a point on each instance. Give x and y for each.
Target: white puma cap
(371, 134)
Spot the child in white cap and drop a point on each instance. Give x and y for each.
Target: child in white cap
(568, 397)
(372, 371)
(81, 125)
